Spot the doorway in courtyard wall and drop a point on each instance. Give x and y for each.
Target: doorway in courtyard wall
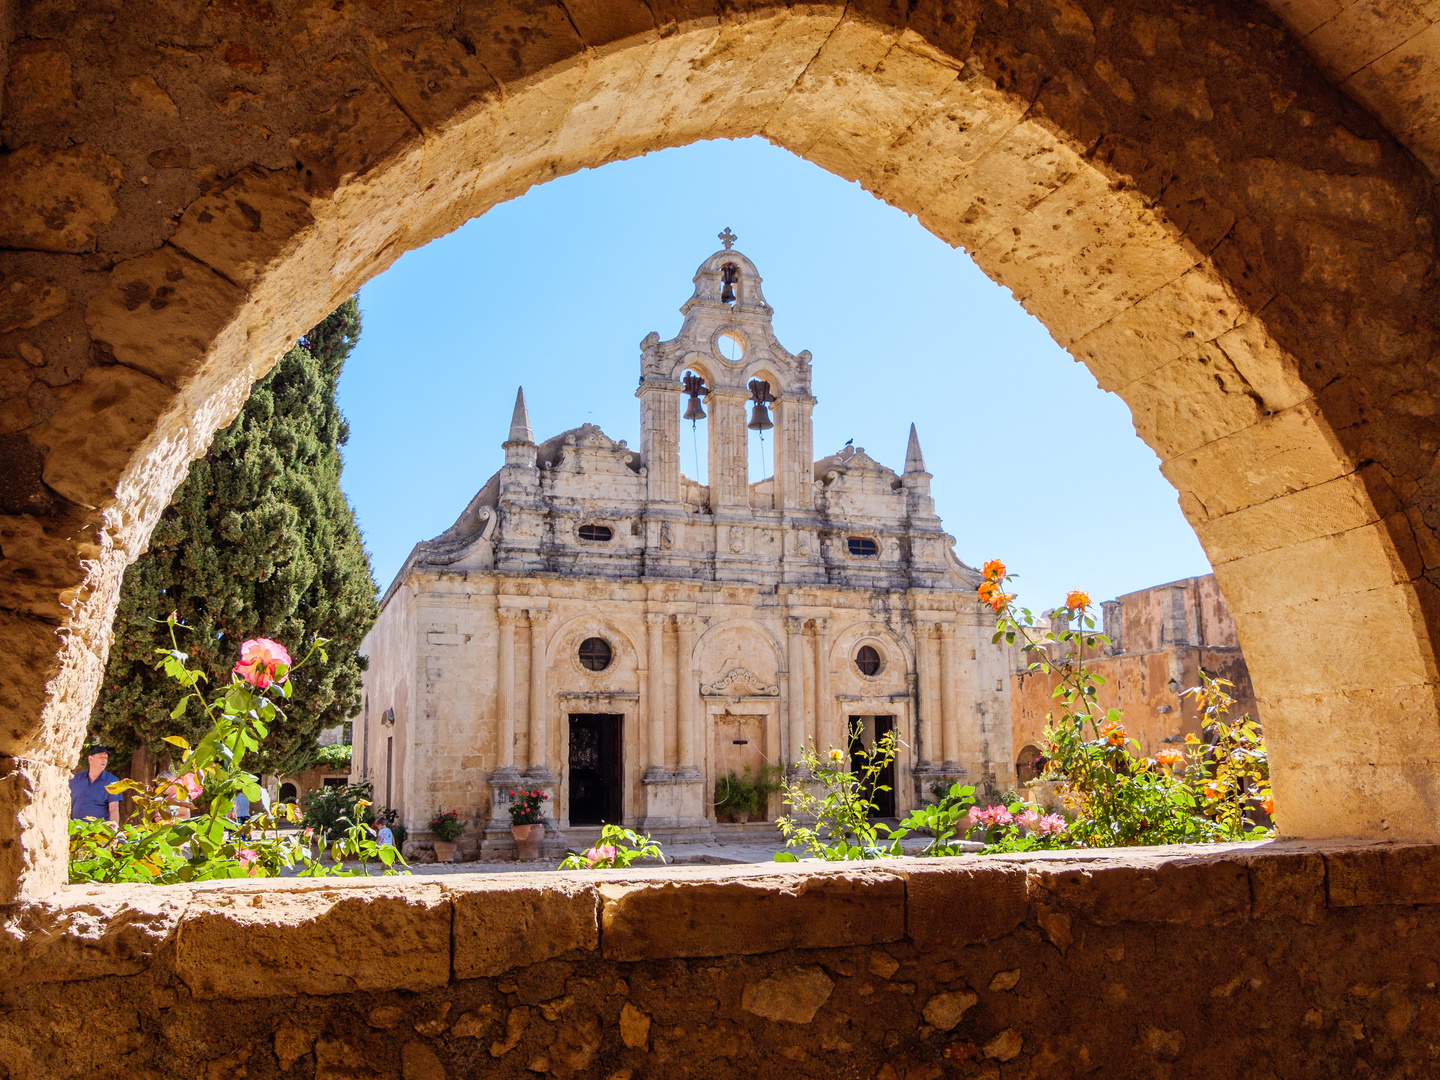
(865, 733)
(595, 772)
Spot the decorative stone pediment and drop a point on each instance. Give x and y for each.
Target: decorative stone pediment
(740, 682)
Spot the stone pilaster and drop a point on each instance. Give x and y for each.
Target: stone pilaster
(795, 701)
(655, 626)
(539, 773)
(824, 729)
(949, 708)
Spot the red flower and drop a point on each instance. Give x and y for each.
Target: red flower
(260, 661)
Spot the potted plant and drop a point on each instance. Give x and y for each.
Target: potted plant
(446, 827)
(527, 823)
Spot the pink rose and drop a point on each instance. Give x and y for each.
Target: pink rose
(974, 816)
(259, 659)
(602, 853)
(1030, 820)
(1053, 824)
(247, 858)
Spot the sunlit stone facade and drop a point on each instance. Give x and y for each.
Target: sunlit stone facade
(604, 627)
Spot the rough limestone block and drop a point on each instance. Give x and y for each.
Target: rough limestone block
(89, 932)
(1287, 885)
(504, 925)
(952, 904)
(819, 910)
(1361, 877)
(1189, 892)
(272, 940)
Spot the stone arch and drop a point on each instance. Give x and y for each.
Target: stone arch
(569, 634)
(842, 648)
(759, 629)
(1230, 244)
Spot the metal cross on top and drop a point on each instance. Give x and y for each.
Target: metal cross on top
(728, 238)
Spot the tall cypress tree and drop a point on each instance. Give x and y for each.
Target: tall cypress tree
(258, 542)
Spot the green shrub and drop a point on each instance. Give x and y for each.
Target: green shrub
(333, 757)
(332, 810)
(746, 793)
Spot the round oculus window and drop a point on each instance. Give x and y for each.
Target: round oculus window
(595, 654)
(731, 346)
(867, 660)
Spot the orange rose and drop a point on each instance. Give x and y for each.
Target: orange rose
(1170, 757)
(1077, 600)
(1268, 805)
(995, 570)
(1113, 732)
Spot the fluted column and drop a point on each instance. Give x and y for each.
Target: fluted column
(505, 686)
(655, 625)
(949, 710)
(539, 742)
(795, 631)
(685, 693)
(824, 707)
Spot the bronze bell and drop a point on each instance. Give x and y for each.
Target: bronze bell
(694, 410)
(760, 415)
(729, 274)
(694, 386)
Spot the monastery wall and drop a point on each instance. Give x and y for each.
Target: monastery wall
(1240, 960)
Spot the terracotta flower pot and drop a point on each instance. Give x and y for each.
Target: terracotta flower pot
(445, 850)
(528, 839)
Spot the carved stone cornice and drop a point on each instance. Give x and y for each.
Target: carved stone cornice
(740, 681)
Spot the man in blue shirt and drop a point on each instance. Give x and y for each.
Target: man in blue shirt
(88, 797)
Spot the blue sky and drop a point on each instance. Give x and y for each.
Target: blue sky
(554, 290)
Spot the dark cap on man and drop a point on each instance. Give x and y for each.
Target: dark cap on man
(98, 748)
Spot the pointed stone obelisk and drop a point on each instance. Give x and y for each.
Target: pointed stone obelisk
(914, 459)
(520, 421)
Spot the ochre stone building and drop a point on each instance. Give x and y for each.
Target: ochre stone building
(604, 627)
(1160, 639)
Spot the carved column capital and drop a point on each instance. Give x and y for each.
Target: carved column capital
(510, 616)
(822, 627)
(945, 629)
(794, 625)
(657, 620)
(539, 616)
(687, 622)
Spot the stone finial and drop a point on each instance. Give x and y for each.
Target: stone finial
(914, 459)
(520, 420)
(728, 238)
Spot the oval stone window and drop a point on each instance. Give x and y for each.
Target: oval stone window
(867, 660)
(595, 654)
(863, 546)
(602, 533)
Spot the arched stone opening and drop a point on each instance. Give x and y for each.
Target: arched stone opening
(1229, 244)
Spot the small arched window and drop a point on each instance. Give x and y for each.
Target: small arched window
(595, 654)
(863, 546)
(600, 533)
(867, 659)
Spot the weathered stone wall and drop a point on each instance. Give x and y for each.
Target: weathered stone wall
(1179, 194)
(1242, 961)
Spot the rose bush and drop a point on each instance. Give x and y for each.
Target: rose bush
(182, 828)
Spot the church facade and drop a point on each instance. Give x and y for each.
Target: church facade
(601, 626)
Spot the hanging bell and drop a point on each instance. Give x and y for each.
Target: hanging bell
(760, 418)
(729, 274)
(694, 410)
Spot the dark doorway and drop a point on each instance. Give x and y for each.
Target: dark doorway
(594, 768)
(865, 733)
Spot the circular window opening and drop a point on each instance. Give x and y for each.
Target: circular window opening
(731, 347)
(601, 533)
(595, 654)
(868, 660)
(863, 546)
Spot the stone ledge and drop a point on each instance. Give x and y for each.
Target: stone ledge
(337, 936)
